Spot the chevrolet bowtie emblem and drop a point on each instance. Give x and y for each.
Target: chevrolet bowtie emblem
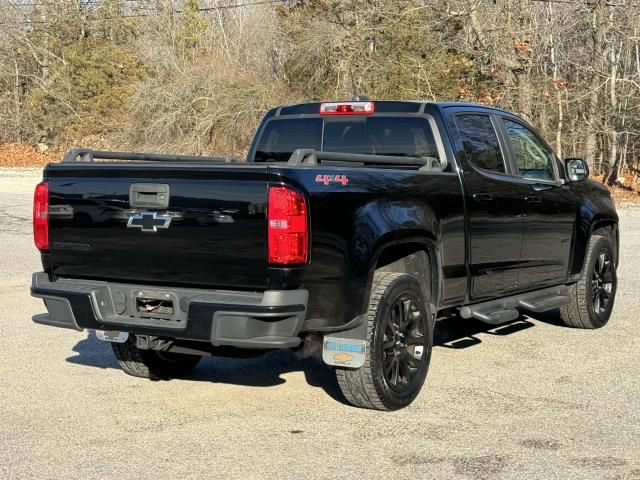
(149, 221)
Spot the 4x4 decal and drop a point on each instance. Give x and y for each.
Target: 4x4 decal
(327, 179)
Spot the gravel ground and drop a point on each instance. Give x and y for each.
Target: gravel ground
(530, 400)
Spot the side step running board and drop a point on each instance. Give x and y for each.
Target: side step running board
(504, 310)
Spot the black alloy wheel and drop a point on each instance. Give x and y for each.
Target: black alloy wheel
(403, 344)
(602, 282)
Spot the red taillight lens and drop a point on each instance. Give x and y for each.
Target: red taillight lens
(41, 216)
(347, 108)
(288, 228)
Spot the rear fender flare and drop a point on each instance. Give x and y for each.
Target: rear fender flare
(413, 255)
(595, 210)
(584, 232)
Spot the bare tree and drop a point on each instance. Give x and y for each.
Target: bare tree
(196, 75)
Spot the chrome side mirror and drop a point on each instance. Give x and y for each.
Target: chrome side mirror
(577, 169)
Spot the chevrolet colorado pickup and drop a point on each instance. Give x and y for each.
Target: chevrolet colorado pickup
(360, 222)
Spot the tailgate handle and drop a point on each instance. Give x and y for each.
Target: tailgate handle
(154, 195)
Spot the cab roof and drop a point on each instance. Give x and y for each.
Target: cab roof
(381, 106)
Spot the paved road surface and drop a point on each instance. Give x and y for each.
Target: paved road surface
(533, 400)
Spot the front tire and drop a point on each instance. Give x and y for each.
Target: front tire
(593, 296)
(400, 340)
(152, 364)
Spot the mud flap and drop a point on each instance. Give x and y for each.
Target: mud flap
(348, 348)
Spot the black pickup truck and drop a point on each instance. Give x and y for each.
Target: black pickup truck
(360, 222)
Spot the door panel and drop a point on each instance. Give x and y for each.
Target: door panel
(546, 244)
(494, 208)
(549, 209)
(495, 229)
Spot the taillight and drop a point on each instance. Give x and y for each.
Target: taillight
(288, 228)
(41, 216)
(347, 108)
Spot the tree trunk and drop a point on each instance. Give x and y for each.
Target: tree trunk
(17, 102)
(599, 31)
(558, 88)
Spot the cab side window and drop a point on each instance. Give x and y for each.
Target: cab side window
(533, 158)
(480, 141)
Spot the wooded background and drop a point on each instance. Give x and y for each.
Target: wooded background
(195, 76)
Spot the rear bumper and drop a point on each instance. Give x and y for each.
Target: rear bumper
(270, 319)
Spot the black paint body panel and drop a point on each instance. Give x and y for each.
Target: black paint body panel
(353, 223)
(215, 239)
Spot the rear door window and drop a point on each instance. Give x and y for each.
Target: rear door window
(480, 141)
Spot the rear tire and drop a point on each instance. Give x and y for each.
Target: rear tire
(152, 364)
(400, 339)
(593, 296)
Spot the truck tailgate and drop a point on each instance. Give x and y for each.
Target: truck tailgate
(209, 232)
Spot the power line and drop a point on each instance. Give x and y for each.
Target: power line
(589, 3)
(240, 5)
(135, 15)
(200, 9)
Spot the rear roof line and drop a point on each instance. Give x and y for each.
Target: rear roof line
(410, 106)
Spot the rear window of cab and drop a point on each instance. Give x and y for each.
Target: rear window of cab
(394, 136)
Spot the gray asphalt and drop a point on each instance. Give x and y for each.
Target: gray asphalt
(533, 400)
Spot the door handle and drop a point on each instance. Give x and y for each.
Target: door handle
(482, 197)
(149, 195)
(540, 187)
(533, 199)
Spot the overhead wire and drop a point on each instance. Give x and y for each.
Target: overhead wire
(136, 15)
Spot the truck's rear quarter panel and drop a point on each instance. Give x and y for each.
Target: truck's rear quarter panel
(352, 223)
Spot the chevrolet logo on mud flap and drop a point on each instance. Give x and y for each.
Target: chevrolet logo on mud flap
(149, 221)
(342, 357)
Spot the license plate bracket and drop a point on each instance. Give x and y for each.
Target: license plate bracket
(155, 304)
